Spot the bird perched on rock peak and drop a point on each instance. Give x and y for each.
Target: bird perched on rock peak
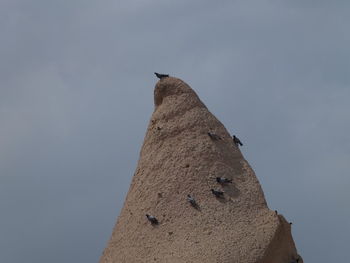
(222, 180)
(214, 136)
(160, 76)
(236, 140)
(217, 193)
(152, 219)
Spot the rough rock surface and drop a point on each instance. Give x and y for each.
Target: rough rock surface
(179, 158)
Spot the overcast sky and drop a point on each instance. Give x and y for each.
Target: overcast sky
(76, 95)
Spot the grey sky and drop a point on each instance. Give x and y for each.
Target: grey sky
(76, 95)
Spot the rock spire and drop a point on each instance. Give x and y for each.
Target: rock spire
(178, 159)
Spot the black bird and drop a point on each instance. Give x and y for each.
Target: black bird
(276, 212)
(214, 136)
(295, 260)
(160, 76)
(237, 141)
(152, 219)
(222, 180)
(192, 201)
(217, 193)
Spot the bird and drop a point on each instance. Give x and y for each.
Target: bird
(214, 136)
(295, 260)
(237, 141)
(276, 212)
(217, 193)
(152, 219)
(160, 76)
(192, 201)
(222, 180)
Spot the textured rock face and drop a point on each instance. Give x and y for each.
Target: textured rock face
(179, 158)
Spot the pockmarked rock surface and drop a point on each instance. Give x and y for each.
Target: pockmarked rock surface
(179, 158)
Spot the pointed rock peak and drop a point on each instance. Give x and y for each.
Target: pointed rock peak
(171, 87)
(203, 200)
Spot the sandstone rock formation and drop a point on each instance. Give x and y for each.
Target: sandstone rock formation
(179, 158)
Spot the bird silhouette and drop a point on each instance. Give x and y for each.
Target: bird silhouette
(192, 201)
(160, 76)
(214, 136)
(217, 193)
(237, 141)
(222, 180)
(152, 219)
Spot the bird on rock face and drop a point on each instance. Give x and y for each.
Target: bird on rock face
(192, 201)
(152, 219)
(160, 76)
(217, 193)
(222, 180)
(237, 141)
(214, 136)
(295, 260)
